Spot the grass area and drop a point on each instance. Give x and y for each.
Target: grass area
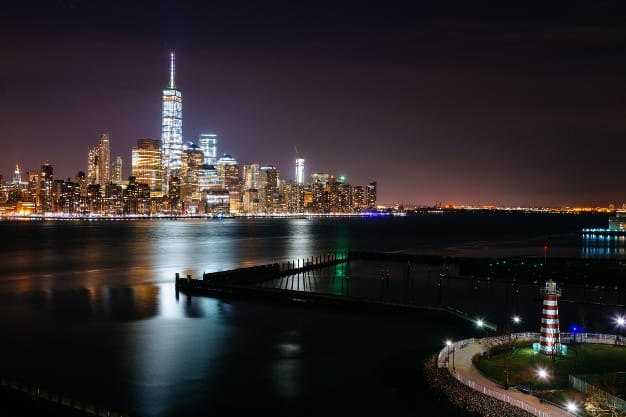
(524, 365)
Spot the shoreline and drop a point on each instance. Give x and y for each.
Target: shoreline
(447, 388)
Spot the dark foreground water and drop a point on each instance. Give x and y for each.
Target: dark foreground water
(89, 308)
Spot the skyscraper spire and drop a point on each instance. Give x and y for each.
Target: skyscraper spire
(172, 124)
(172, 84)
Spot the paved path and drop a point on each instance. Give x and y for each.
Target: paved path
(464, 367)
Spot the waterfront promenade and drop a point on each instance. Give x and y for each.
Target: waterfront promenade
(457, 360)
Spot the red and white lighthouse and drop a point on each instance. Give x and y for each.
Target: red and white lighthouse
(550, 339)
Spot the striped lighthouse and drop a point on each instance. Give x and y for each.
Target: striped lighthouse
(550, 339)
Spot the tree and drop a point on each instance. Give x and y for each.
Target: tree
(601, 400)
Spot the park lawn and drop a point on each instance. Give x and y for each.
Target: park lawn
(581, 359)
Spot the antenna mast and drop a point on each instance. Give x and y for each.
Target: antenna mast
(172, 69)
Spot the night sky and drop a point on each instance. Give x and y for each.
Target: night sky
(463, 102)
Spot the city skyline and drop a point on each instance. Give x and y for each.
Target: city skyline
(514, 105)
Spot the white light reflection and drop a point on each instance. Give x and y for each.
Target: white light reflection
(300, 240)
(171, 352)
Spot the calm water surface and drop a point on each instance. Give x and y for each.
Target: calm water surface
(89, 308)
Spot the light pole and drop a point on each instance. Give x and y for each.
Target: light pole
(448, 344)
(509, 350)
(453, 350)
(620, 321)
(543, 375)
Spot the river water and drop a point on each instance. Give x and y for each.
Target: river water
(89, 308)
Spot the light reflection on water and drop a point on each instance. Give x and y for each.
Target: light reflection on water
(95, 302)
(598, 246)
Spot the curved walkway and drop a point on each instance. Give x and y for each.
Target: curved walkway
(461, 367)
(465, 371)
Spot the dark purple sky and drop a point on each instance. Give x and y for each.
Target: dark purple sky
(453, 102)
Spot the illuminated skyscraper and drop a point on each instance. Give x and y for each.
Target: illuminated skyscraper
(208, 145)
(370, 195)
(268, 188)
(93, 173)
(146, 165)
(17, 175)
(46, 196)
(251, 174)
(300, 171)
(104, 159)
(116, 170)
(358, 197)
(228, 172)
(172, 124)
(192, 162)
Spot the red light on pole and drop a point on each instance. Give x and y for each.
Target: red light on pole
(545, 254)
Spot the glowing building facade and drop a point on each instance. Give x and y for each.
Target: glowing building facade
(228, 173)
(104, 159)
(192, 162)
(370, 195)
(146, 165)
(300, 171)
(208, 145)
(116, 170)
(93, 173)
(172, 124)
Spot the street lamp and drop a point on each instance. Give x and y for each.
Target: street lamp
(572, 407)
(542, 374)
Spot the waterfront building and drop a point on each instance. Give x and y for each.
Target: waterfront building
(228, 173)
(358, 197)
(172, 124)
(299, 180)
(341, 197)
(136, 197)
(618, 222)
(216, 201)
(370, 195)
(104, 159)
(320, 192)
(67, 196)
(250, 201)
(269, 196)
(46, 188)
(116, 170)
(81, 180)
(208, 145)
(251, 173)
(147, 165)
(173, 203)
(93, 173)
(192, 161)
(114, 199)
(208, 178)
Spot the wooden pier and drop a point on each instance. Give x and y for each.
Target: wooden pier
(243, 282)
(260, 273)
